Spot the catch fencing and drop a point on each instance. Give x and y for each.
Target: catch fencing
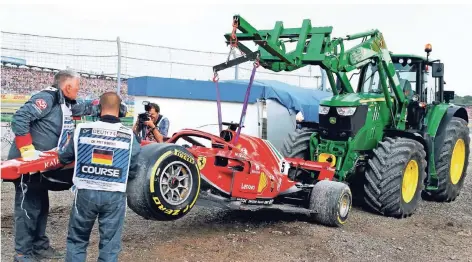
(123, 59)
(119, 60)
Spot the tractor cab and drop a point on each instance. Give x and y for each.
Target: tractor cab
(421, 81)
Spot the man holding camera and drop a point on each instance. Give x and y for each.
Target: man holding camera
(156, 127)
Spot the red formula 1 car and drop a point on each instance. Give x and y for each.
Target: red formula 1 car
(219, 172)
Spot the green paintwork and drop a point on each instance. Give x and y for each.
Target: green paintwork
(434, 116)
(432, 120)
(315, 46)
(321, 50)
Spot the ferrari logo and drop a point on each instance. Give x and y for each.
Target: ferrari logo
(332, 120)
(201, 162)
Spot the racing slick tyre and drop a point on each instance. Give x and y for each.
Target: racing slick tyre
(331, 202)
(167, 182)
(394, 177)
(453, 162)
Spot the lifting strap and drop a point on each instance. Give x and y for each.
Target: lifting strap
(244, 58)
(218, 102)
(246, 100)
(245, 103)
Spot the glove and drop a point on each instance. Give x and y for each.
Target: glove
(29, 153)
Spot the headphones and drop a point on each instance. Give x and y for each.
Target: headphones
(97, 109)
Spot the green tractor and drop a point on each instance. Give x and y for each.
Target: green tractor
(392, 139)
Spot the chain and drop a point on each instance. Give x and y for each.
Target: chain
(233, 33)
(215, 76)
(257, 62)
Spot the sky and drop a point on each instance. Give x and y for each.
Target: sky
(406, 28)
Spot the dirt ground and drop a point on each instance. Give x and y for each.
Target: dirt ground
(437, 232)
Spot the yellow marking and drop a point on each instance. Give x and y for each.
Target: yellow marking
(154, 169)
(184, 156)
(262, 182)
(101, 161)
(198, 189)
(323, 157)
(372, 100)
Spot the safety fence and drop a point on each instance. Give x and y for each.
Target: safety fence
(123, 59)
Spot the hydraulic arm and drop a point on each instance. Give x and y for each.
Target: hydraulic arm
(314, 46)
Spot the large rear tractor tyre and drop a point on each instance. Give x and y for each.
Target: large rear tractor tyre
(394, 177)
(297, 144)
(453, 162)
(331, 202)
(167, 183)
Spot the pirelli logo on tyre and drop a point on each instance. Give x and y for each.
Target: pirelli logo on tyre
(173, 212)
(184, 156)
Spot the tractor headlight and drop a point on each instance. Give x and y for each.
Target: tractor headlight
(323, 110)
(346, 111)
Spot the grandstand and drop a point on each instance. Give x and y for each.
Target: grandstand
(27, 79)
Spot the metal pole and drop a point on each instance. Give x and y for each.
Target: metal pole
(170, 59)
(118, 87)
(236, 68)
(323, 79)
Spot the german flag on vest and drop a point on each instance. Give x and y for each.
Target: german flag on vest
(102, 157)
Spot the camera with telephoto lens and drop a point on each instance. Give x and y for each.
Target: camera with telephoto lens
(143, 117)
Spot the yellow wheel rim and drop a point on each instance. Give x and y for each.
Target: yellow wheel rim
(410, 181)
(457, 161)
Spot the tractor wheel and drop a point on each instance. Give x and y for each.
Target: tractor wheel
(167, 183)
(453, 161)
(331, 202)
(297, 144)
(394, 177)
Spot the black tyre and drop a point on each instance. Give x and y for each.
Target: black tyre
(394, 177)
(331, 201)
(453, 161)
(297, 144)
(167, 183)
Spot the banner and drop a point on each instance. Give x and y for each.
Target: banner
(10, 98)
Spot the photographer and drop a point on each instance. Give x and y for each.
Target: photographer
(152, 125)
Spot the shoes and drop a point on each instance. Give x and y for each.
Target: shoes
(49, 253)
(25, 258)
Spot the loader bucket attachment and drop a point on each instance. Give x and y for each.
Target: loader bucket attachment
(274, 56)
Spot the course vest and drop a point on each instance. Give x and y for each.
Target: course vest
(103, 154)
(67, 126)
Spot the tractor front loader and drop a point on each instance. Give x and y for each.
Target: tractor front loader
(391, 138)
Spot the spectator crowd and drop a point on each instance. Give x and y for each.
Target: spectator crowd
(26, 81)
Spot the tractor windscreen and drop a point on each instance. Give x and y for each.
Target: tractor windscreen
(405, 72)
